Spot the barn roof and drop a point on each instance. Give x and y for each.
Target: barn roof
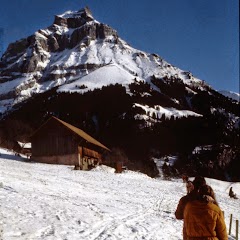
(79, 132)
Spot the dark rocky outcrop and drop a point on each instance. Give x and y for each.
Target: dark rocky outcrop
(74, 20)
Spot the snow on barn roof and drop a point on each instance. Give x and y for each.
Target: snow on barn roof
(25, 145)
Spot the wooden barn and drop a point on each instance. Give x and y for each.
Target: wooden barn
(59, 142)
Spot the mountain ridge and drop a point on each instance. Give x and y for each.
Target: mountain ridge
(233, 95)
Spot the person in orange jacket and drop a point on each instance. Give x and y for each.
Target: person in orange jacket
(203, 218)
(191, 195)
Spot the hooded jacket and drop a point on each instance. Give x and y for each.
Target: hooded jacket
(183, 202)
(204, 221)
(181, 206)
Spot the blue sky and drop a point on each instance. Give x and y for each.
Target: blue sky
(201, 36)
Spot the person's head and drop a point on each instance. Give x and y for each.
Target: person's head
(189, 186)
(198, 182)
(206, 190)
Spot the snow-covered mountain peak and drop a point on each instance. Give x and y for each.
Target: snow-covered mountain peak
(74, 19)
(82, 13)
(75, 46)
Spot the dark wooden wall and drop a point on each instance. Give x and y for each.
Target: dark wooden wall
(54, 139)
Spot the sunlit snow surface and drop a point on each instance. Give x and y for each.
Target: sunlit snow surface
(41, 201)
(111, 74)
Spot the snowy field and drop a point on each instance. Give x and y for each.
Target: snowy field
(41, 201)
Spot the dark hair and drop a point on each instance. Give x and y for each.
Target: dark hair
(199, 181)
(206, 190)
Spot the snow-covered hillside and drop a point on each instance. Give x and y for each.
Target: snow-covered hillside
(41, 201)
(232, 95)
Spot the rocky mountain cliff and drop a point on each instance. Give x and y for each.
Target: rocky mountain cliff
(45, 57)
(81, 71)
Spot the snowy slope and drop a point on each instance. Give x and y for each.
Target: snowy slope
(110, 74)
(41, 201)
(232, 95)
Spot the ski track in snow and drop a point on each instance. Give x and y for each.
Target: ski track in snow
(41, 201)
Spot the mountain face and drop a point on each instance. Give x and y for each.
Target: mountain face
(76, 52)
(81, 71)
(52, 56)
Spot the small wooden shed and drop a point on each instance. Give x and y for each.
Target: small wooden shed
(25, 148)
(58, 142)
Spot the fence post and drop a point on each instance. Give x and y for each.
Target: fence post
(236, 229)
(230, 225)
